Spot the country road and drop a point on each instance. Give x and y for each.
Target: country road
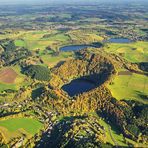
(110, 133)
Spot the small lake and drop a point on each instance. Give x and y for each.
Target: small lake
(78, 86)
(74, 47)
(119, 40)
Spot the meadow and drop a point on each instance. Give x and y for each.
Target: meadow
(131, 87)
(112, 134)
(133, 52)
(51, 61)
(14, 127)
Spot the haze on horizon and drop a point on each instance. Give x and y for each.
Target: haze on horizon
(62, 1)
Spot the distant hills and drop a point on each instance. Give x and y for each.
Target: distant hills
(6, 2)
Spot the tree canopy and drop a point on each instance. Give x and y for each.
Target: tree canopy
(38, 72)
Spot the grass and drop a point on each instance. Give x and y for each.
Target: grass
(133, 52)
(51, 61)
(118, 137)
(36, 41)
(133, 86)
(19, 81)
(84, 37)
(59, 37)
(20, 43)
(110, 131)
(7, 86)
(16, 126)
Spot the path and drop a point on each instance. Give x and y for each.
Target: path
(110, 133)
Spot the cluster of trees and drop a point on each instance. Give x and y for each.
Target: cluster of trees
(130, 116)
(143, 66)
(95, 67)
(136, 118)
(9, 46)
(12, 54)
(38, 72)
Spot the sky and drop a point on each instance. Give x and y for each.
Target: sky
(59, 1)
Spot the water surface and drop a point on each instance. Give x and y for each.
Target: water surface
(74, 47)
(78, 86)
(119, 40)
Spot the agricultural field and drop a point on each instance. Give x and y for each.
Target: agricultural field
(133, 87)
(133, 52)
(84, 37)
(51, 60)
(8, 76)
(11, 78)
(34, 40)
(16, 127)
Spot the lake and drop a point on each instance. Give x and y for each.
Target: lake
(74, 47)
(119, 40)
(78, 86)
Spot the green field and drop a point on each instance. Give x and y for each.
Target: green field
(29, 125)
(51, 61)
(112, 134)
(133, 52)
(133, 86)
(7, 86)
(34, 39)
(19, 81)
(20, 43)
(17, 127)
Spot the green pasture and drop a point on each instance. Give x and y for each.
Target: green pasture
(18, 127)
(84, 37)
(133, 86)
(34, 40)
(51, 60)
(20, 43)
(7, 86)
(133, 52)
(112, 133)
(28, 124)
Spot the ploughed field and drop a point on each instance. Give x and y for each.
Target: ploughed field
(7, 75)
